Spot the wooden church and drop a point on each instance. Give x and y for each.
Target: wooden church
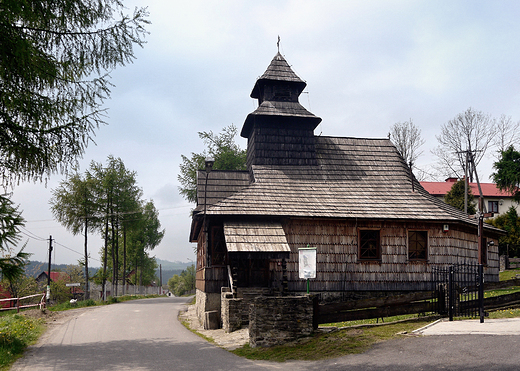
(355, 200)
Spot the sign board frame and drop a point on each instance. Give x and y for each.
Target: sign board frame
(307, 262)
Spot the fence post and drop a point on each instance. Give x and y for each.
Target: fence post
(481, 292)
(450, 293)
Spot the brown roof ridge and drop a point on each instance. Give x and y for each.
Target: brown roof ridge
(358, 138)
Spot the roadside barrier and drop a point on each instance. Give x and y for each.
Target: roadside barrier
(18, 302)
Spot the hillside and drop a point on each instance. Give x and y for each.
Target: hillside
(34, 268)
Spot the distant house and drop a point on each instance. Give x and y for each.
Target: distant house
(374, 227)
(5, 294)
(55, 276)
(495, 200)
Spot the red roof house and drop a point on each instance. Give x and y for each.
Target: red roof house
(55, 276)
(495, 200)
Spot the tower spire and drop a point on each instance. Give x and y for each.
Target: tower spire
(278, 44)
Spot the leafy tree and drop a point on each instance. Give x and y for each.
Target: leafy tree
(507, 175)
(185, 282)
(73, 204)
(142, 238)
(117, 197)
(21, 286)
(60, 292)
(54, 58)
(107, 199)
(471, 131)
(226, 153)
(11, 220)
(406, 137)
(455, 197)
(173, 284)
(509, 222)
(129, 206)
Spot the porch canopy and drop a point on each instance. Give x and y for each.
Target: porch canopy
(256, 239)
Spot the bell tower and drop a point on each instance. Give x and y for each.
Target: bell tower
(280, 131)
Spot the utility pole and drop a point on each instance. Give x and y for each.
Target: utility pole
(466, 186)
(49, 270)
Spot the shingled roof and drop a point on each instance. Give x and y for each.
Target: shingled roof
(294, 174)
(221, 184)
(278, 70)
(354, 178)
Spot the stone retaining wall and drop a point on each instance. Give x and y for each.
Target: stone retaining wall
(231, 310)
(278, 320)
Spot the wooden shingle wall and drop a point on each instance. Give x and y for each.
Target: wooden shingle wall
(340, 270)
(275, 146)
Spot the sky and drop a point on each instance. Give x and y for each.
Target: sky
(367, 64)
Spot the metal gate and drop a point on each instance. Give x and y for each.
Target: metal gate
(459, 290)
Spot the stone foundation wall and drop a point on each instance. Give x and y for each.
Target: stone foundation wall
(231, 309)
(504, 263)
(248, 295)
(207, 302)
(278, 320)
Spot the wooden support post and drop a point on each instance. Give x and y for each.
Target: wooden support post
(285, 282)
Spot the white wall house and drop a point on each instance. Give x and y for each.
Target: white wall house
(495, 200)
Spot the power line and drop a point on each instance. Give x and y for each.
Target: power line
(79, 253)
(112, 214)
(30, 234)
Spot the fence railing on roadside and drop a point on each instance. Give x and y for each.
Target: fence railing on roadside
(514, 263)
(18, 302)
(96, 290)
(425, 302)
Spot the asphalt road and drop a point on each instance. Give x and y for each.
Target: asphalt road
(134, 335)
(146, 335)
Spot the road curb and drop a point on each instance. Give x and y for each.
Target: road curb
(420, 330)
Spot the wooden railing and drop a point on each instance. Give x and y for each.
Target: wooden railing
(417, 302)
(18, 302)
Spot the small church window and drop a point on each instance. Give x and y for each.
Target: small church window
(417, 245)
(369, 245)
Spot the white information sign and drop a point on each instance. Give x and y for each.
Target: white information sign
(72, 284)
(307, 262)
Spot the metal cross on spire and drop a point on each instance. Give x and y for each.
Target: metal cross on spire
(278, 44)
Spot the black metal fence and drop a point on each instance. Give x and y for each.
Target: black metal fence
(459, 290)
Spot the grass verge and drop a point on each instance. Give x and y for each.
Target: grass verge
(351, 340)
(509, 274)
(16, 333)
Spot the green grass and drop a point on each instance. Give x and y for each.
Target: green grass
(332, 344)
(498, 292)
(16, 333)
(505, 313)
(374, 321)
(351, 338)
(509, 274)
